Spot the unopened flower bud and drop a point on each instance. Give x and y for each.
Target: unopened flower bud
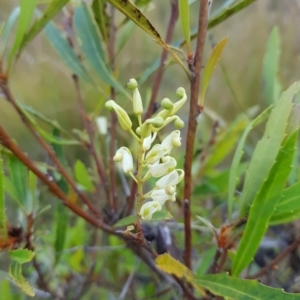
(132, 84)
(122, 115)
(166, 103)
(170, 190)
(179, 123)
(177, 105)
(145, 130)
(157, 122)
(149, 208)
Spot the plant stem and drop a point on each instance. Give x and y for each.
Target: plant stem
(47, 148)
(160, 71)
(194, 112)
(140, 194)
(48, 181)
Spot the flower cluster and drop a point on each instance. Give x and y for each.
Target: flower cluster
(152, 160)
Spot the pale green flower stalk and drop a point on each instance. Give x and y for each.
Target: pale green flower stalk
(153, 161)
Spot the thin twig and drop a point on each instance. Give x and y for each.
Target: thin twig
(90, 133)
(160, 71)
(6, 141)
(46, 147)
(276, 260)
(192, 126)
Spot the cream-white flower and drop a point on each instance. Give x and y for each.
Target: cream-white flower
(149, 208)
(172, 140)
(147, 143)
(102, 125)
(159, 169)
(155, 154)
(170, 179)
(124, 155)
(161, 196)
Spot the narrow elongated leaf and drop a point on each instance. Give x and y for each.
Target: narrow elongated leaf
(267, 148)
(27, 11)
(7, 28)
(3, 230)
(126, 221)
(88, 34)
(288, 207)
(15, 271)
(66, 52)
(263, 205)
(172, 266)
(161, 215)
(133, 13)
(54, 7)
(222, 16)
(82, 176)
(18, 177)
(184, 15)
(237, 158)
(21, 256)
(272, 86)
(101, 17)
(241, 289)
(210, 67)
(11, 190)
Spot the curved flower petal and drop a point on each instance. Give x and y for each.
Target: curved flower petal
(161, 196)
(149, 208)
(147, 143)
(173, 139)
(155, 154)
(123, 154)
(168, 165)
(170, 178)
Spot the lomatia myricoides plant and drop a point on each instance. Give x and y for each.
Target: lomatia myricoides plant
(152, 160)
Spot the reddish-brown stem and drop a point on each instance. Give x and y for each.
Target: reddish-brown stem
(6, 141)
(192, 126)
(160, 71)
(47, 148)
(113, 128)
(276, 260)
(90, 133)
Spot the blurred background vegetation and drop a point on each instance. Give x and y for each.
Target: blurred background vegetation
(41, 80)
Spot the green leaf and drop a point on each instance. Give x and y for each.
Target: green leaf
(83, 177)
(184, 15)
(126, 221)
(101, 18)
(134, 14)
(11, 190)
(18, 177)
(88, 34)
(267, 148)
(241, 289)
(54, 7)
(222, 16)
(21, 256)
(66, 52)
(170, 265)
(237, 158)
(210, 67)
(288, 207)
(272, 86)
(15, 271)
(161, 215)
(62, 222)
(3, 230)
(7, 28)
(263, 205)
(26, 14)
(224, 144)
